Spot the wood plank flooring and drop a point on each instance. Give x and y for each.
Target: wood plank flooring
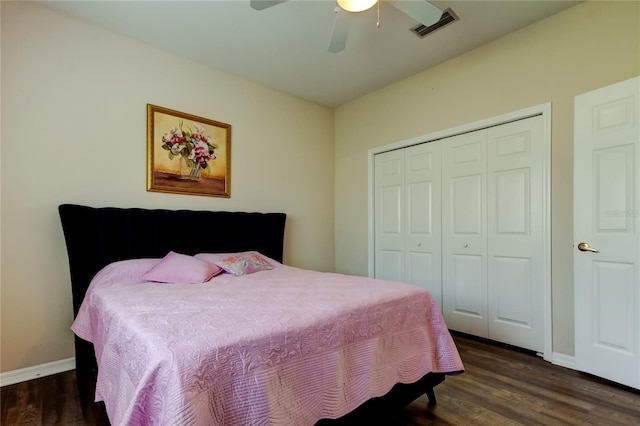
(501, 386)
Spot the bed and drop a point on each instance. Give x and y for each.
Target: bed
(278, 346)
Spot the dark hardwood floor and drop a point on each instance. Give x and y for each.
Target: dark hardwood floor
(501, 386)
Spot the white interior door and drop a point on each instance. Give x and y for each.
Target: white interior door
(423, 218)
(607, 218)
(464, 233)
(515, 233)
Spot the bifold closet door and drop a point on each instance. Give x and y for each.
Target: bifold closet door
(389, 212)
(514, 233)
(463, 217)
(492, 237)
(464, 233)
(423, 256)
(408, 216)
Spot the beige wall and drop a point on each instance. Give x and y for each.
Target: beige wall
(585, 47)
(74, 130)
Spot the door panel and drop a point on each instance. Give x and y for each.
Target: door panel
(423, 218)
(389, 224)
(408, 216)
(467, 205)
(515, 244)
(606, 216)
(469, 293)
(464, 242)
(419, 208)
(420, 269)
(513, 284)
(613, 170)
(512, 202)
(613, 283)
(389, 265)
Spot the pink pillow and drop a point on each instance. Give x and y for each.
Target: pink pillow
(244, 263)
(180, 268)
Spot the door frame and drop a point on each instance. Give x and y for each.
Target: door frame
(543, 110)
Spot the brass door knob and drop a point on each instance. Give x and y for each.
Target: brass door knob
(585, 247)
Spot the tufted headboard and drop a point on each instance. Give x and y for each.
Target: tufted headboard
(96, 237)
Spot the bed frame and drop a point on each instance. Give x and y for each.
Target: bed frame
(96, 237)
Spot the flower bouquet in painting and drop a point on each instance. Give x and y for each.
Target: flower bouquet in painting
(182, 157)
(193, 148)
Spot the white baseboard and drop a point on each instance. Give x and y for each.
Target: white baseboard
(567, 361)
(37, 371)
(55, 367)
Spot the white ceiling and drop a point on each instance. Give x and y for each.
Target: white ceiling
(285, 46)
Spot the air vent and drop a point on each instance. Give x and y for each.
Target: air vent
(447, 17)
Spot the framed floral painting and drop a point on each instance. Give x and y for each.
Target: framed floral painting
(187, 154)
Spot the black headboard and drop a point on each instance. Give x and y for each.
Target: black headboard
(96, 237)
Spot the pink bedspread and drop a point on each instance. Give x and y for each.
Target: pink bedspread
(285, 346)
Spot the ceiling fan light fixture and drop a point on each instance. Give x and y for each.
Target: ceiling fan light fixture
(356, 5)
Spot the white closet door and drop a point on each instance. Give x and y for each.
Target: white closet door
(422, 218)
(464, 233)
(389, 215)
(515, 230)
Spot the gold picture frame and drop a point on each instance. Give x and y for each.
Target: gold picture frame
(187, 154)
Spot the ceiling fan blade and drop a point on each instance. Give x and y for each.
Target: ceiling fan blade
(263, 4)
(422, 11)
(339, 33)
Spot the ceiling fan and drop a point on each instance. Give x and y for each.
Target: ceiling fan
(421, 10)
